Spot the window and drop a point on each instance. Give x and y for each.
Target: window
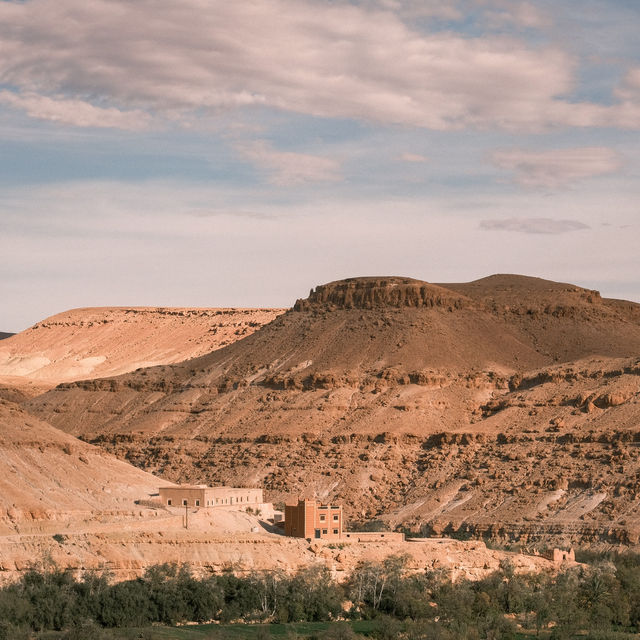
(197, 503)
(335, 532)
(336, 518)
(184, 503)
(169, 502)
(324, 532)
(322, 517)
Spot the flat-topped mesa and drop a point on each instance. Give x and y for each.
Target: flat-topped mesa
(380, 292)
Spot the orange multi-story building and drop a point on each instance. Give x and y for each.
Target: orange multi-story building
(311, 519)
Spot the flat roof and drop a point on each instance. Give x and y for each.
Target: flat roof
(204, 486)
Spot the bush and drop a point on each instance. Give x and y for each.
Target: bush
(603, 600)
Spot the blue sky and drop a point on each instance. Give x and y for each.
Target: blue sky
(209, 153)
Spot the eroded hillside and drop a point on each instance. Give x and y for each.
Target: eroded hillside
(104, 341)
(507, 406)
(67, 502)
(45, 473)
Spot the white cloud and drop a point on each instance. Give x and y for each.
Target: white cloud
(413, 157)
(533, 225)
(288, 167)
(325, 59)
(558, 167)
(75, 112)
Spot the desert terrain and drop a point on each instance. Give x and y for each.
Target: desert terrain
(66, 502)
(505, 408)
(97, 342)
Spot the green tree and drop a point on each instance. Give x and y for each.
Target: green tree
(376, 585)
(240, 599)
(566, 609)
(311, 595)
(271, 590)
(127, 604)
(51, 598)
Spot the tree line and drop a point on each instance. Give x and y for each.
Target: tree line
(599, 599)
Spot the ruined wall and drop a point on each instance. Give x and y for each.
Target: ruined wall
(374, 536)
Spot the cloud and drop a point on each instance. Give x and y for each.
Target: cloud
(501, 13)
(75, 112)
(288, 167)
(238, 213)
(533, 225)
(328, 59)
(413, 157)
(630, 88)
(438, 9)
(558, 167)
(139, 243)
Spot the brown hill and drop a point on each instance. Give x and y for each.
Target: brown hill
(386, 393)
(45, 473)
(98, 342)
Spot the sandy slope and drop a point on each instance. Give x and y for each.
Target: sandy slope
(45, 472)
(88, 343)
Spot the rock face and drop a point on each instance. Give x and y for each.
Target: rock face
(210, 545)
(380, 293)
(98, 342)
(505, 407)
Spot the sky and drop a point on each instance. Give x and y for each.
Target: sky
(208, 153)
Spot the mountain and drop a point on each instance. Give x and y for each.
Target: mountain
(4, 334)
(98, 342)
(491, 407)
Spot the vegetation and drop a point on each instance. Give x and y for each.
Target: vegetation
(368, 525)
(597, 601)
